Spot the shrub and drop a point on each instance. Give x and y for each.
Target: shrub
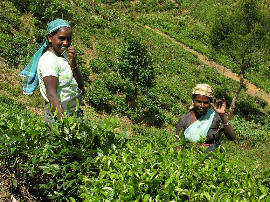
(81, 64)
(9, 17)
(152, 112)
(52, 162)
(135, 65)
(98, 66)
(114, 82)
(49, 10)
(19, 55)
(98, 95)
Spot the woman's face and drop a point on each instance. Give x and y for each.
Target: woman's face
(201, 104)
(60, 41)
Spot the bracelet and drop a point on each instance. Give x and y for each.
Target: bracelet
(226, 124)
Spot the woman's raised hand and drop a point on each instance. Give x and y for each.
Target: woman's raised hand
(72, 57)
(220, 106)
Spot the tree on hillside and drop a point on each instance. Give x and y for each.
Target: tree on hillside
(241, 31)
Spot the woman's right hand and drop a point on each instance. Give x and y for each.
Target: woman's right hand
(51, 91)
(72, 57)
(220, 106)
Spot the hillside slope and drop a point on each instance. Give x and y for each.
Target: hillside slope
(100, 31)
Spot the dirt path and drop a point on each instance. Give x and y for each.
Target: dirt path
(251, 88)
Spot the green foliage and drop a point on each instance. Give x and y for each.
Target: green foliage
(9, 17)
(151, 109)
(191, 25)
(89, 160)
(46, 10)
(82, 64)
(145, 170)
(241, 32)
(49, 10)
(92, 161)
(248, 108)
(250, 131)
(135, 64)
(114, 82)
(98, 66)
(110, 1)
(146, 6)
(15, 48)
(99, 95)
(53, 160)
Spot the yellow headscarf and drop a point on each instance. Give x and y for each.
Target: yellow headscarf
(202, 89)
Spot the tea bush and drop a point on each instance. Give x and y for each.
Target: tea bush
(99, 95)
(148, 173)
(135, 65)
(19, 55)
(98, 66)
(51, 162)
(9, 17)
(114, 82)
(146, 6)
(83, 160)
(92, 160)
(49, 10)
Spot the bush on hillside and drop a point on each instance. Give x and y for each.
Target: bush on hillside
(92, 161)
(98, 66)
(99, 96)
(49, 10)
(51, 163)
(16, 49)
(135, 65)
(9, 17)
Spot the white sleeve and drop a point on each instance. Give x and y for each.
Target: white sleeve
(48, 65)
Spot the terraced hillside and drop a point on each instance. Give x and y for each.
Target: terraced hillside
(123, 151)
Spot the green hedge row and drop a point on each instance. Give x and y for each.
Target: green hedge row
(92, 161)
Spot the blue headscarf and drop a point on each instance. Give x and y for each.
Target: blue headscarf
(30, 71)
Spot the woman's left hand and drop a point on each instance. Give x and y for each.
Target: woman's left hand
(220, 107)
(72, 57)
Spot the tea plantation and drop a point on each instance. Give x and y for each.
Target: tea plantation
(138, 84)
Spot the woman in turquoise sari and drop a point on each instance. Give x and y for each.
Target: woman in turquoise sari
(205, 120)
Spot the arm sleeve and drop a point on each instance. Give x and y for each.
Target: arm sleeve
(180, 127)
(49, 67)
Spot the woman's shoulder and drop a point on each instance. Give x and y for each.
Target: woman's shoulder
(184, 121)
(47, 59)
(48, 55)
(185, 117)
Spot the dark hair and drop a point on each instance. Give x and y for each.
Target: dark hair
(210, 98)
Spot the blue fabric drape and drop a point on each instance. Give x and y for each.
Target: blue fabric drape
(30, 71)
(200, 127)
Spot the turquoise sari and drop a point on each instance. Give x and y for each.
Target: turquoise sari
(199, 129)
